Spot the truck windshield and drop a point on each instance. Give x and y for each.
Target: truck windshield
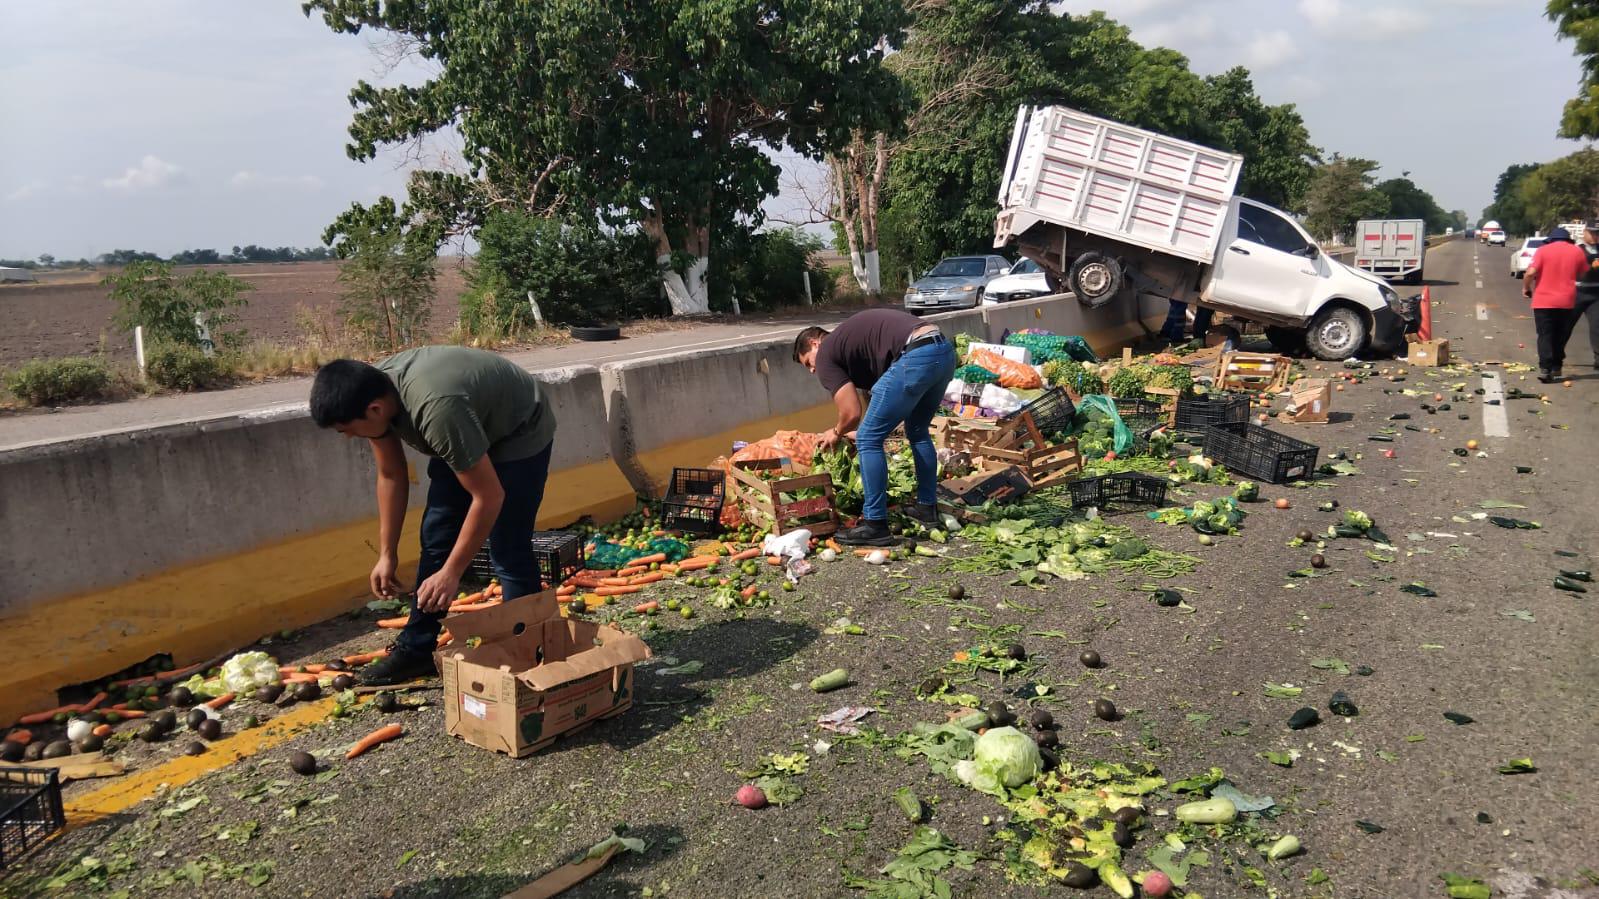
(957, 268)
(1268, 229)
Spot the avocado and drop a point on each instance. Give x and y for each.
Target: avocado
(1341, 704)
(1305, 536)
(1000, 714)
(11, 751)
(181, 697)
(210, 729)
(957, 592)
(91, 743)
(1089, 658)
(303, 762)
(1318, 561)
(1016, 651)
(151, 733)
(1122, 835)
(1167, 598)
(338, 665)
(387, 703)
(931, 686)
(1042, 719)
(307, 692)
(1080, 876)
(1047, 739)
(1305, 717)
(194, 747)
(1105, 710)
(195, 718)
(269, 693)
(33, 751)
(1129, 816)
(343, 682)
(57, 749)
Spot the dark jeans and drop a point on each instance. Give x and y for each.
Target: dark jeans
(1554, 329)
(910, 392)
(1588, 304)
(510, 542)
(1177, 322)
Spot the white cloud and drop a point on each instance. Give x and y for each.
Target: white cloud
(30, 189)
(1270, 50)
(1176, 33)
(247, 179)
(152, 172)
(1334, 17)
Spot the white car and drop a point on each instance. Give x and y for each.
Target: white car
(1496, 238)
(1523, 257)
(1024, 281)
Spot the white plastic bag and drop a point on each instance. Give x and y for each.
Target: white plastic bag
(792, 545)
(1000, 400)
(952, 393)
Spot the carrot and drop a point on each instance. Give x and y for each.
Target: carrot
(43, 717)
(469, 599)
(21, 735)
(695, 563)
(94, 703)
(475, 607)
(103, 731)
(626, 573)
(165, 675)
(122, 706)
(220, 701)
(566, 590)
(657, 533)
(393, 623)
(586, 583)
(646, 561)
(774, 560)
(315, 669)
(361, 658)
(749, 591)
(382, 735)
(644, 608)
(300, 677)
(617, 581)
(616, 591)
(649, 578)
(750, 553)
(669, 568)
(131, 714)
(833, 545)
(863, 553)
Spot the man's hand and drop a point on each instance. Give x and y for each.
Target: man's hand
(385, 583)
(829, 438)
(437, 592)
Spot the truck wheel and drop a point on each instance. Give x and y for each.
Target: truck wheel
(1336, 334)
(1288, 341)
(1096, 279)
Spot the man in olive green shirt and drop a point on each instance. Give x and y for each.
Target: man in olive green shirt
(488, 430)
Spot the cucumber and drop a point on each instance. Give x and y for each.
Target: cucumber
(972, 720)
(1208, 811)
(909, 804)
(1283, 848)
(1563, 583)
(1585, 576)
(1116, 879)
(832, 680)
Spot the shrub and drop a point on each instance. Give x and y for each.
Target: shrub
(765, 270)
(147, 293)
(50, 382)
(185, 368)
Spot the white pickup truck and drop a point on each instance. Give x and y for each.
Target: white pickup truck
(1112, 211)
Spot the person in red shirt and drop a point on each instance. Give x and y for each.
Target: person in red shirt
(1551, 282)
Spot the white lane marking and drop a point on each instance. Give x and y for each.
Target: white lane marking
(1482, 312)
(1479, 285)
(1495, 423)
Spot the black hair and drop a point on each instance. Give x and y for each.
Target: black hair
(343, 389)
(807, 337)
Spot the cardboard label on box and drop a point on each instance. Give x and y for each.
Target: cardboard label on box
(1430, 352)
(1310, 399)
(532, 674)
(1013, 353)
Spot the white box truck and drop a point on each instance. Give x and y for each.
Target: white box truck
(1113, 211)
(1394, 249)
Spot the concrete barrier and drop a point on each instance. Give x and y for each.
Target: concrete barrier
(194, 539)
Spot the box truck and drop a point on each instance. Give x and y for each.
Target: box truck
(1113, 211)
(1394, 249)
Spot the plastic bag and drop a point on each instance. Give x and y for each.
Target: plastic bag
(953, 392)
(1000, 400)
(1011, 373)
(1106, 407)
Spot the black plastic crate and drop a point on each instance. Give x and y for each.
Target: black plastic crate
(30, 810)
(1196, 413)
(1260, 453)
(1140, 415)
(693, 502)
(1052, 411)
(1109, 491)
(557, 554)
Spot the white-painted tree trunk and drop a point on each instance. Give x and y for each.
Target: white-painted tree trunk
(687, 292)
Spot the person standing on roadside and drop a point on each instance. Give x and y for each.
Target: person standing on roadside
(1588, 290)
(906, 364)
(1551, 283)
(489, 430)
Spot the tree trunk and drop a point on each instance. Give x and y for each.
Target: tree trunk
(687, 292)
(857, 177)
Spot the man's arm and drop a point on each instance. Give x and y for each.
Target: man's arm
(848, 403)
(394, 494)
(437, 592)
(1529, 282)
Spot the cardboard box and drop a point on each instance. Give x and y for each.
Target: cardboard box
(534, 676)
(1013, 353)
(1309, 401)
(1430, 353)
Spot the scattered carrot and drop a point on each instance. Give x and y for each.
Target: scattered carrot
(122, 706)
(616, 591)
(475, 607)
(833, 545)
(749, 591)
(103, 731)
(219, 702)
(42, 717)
(566, 590)
(165, 675)
(774, 560)
(94, 703)
(750, 553)
(392, 623)
(315, 669)
(625, 573)
(361, 658)
(587, 583)
(617, 581)
(644, 608)
(21, 735)
(648, 578)
(300, 677)
(657, 533)
(470, 599)
(650, 559)
(382, 735)
(669, 568)
(131, 714)
(695, 563)
(863, 553)
(962, 656)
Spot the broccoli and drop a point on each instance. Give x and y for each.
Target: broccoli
(1247, 492)
(1128, 549)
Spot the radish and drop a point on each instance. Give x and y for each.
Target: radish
(750, 796)
(1157, 884)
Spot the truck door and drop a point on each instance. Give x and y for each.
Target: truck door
(1266, 265)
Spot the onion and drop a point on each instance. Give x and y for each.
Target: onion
(877, 557)
(78, 729)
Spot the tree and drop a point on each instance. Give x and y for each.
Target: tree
(651, 113)
(1340, 194)
(46, 260)
(1509, 206)
(387, 279)
(1560, 191)
(1407, 201)
(1579, 21)
(147, 294)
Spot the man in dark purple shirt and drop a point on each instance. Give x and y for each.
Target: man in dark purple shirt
(906, 364)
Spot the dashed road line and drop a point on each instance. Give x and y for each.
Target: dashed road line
(1479, 285)
(1482, 312)
(1495, 423)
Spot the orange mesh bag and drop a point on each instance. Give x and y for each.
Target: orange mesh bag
(1011, 374)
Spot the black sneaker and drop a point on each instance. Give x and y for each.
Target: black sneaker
(867, 533)
(397, 667)
(1545, 376)
(926, 513)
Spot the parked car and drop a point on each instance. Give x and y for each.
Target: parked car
(1115, 211)
(957, 282)
(1523, 257)
(1025, 280)
(1496, 238)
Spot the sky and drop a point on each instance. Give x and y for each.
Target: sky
(164, 125)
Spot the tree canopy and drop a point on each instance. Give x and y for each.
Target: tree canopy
(1342, 193)
(1579, 21)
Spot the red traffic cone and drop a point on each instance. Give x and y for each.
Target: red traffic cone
(1425, 333)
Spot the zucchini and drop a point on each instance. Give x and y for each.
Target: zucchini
(1564, 583)
(909, 804)
(832, 680)
(1216, 810)
(1113, 876)
(972, 721)
(1585, 576)
(1288, 845)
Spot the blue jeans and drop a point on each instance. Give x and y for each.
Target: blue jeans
(908, 392)
(510, 542)
(1177, 321)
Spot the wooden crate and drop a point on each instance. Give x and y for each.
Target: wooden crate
(962, 435)
(1020, 443)
(1253, 372)
(764, 503)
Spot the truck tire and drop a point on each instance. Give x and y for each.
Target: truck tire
(1336, 333)
(1288, 341)
(1096, 279)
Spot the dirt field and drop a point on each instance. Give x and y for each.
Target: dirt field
(69, 313)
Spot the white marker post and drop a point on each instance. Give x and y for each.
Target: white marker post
(138, 348)
(538, 314)
(806, 274)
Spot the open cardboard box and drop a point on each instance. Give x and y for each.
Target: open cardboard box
(534, 675)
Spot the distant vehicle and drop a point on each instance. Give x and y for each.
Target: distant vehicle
(1114, 212)
(1486, 229)
(1523, 257)
(1496, 238)
(957, 282)
(1025, 280)
(1449, 232)
(1575, 229)
(1391, 248)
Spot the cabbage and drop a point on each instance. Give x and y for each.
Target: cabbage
(1247, 491)
(248, 671)
(1062, 564)
(1356, 519)
(1003, 757)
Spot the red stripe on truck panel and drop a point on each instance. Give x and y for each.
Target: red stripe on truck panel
(1374, 237)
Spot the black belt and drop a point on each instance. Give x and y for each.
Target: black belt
(927, 340)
